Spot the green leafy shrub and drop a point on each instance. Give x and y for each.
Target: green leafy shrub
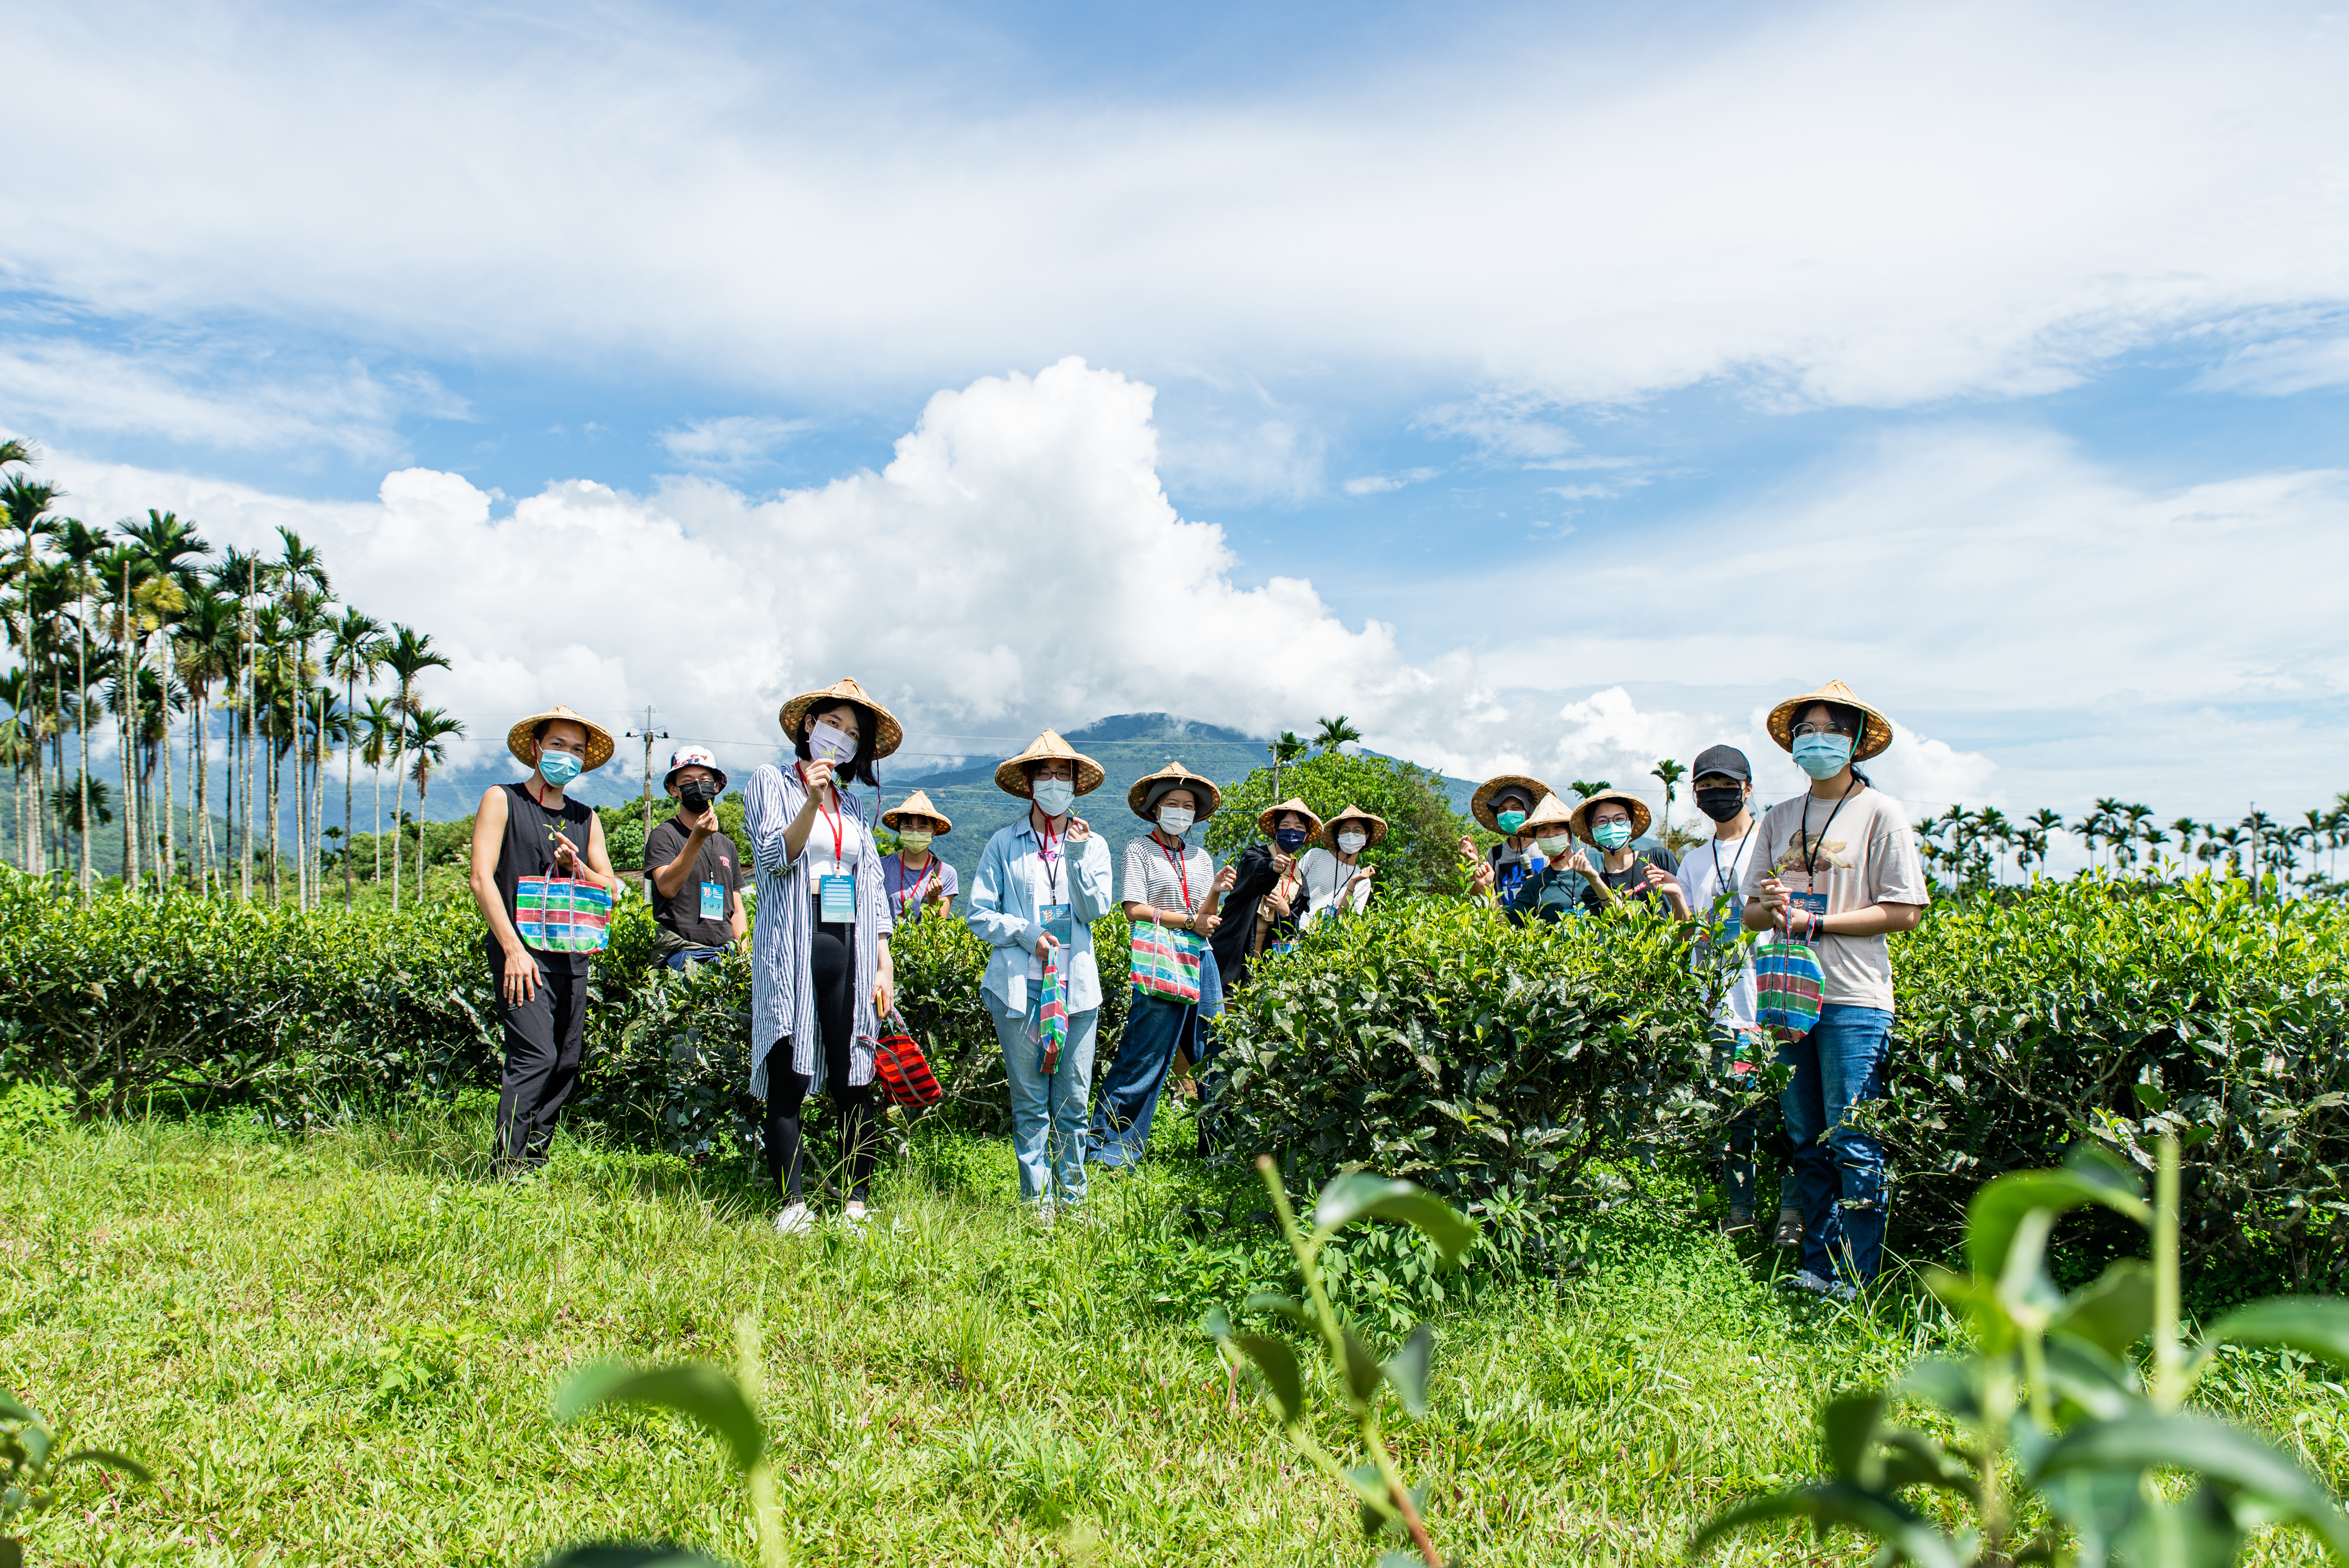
(1486, 1062)
(1421, 852)
(2121, 1012)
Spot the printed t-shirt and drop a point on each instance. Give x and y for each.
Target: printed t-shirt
(1326, 881)
(910, 891)
(1631, 881)
(1714, 874)
(1866, 855)
(698, 913)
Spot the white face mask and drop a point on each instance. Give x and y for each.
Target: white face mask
(1176, 819)
(1352, 843)
(826, 744)
(1554, 848)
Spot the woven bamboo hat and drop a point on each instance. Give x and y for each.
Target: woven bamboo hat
(1552, 814)
(523, 737)
(916, 804)
(1353, 813)
(845, 689)
(1480, 804)
(1271, 814)
(1876, 730)
(1011, 775)
(1143, 796)
(1580, 821)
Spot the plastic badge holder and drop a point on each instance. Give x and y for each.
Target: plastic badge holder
(713, 901)
(836, 899)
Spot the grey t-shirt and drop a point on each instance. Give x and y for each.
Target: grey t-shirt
(1866, 855)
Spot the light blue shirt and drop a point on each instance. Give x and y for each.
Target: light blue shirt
(1003, 912)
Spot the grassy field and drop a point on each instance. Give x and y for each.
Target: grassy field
(341, 1349)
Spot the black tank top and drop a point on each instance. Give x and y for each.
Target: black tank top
(529, 851)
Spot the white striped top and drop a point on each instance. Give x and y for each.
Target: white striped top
(782, 999)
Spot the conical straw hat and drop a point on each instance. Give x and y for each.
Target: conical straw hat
(892, 734)
(1146, 790)
(1480, 804)
(1876, 730)
(916, 804)
(1011, 775)
(1640, 816)
(1355, 814)
(1552, 813)
(521, 736)
(1271, 814)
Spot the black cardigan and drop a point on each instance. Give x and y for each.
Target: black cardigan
(1234, 937)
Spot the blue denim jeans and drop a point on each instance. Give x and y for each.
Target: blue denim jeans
(1838, 1169)
(1131, 1088)
(1746, 1130)
(685, 958)
(1048, 1114)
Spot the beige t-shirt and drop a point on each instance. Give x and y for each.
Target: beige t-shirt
(1866, 855)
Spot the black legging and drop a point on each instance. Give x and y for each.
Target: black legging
(831, 966)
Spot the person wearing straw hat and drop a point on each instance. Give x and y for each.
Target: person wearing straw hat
(1503, 804)
(1631, 864)
(1040, 884)
(1837, 867)
(532, 829)
(820, 980)
(1336, 880)
(1266, 907)
(918, 881)
(1172, 883)
(693, 871)
(1558, 890)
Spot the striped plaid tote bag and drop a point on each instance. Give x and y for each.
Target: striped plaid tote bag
(1786, 985)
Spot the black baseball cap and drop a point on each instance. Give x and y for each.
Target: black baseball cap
(1724, 759)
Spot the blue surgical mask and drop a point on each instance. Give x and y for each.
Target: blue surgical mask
(1511, 821)
(1291, 840)
(1612, 835)
(558, 767)
(1823, 756)
(1054, 795)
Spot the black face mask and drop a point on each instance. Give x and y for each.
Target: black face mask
(1721, 805)
(696, 795)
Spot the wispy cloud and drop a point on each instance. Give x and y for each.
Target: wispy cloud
(733, 441)
(68, 389)
(1383, 484)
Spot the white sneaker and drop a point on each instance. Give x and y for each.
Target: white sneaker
(856, 1213)
(794, 1220)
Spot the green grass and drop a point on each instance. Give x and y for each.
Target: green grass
(341, 1349)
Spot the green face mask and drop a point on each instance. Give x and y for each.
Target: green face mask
(1510, 821)
(913, 839)
(1612, 835)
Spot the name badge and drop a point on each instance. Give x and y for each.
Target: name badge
(713, 901)
(835, 899)
(1057, 923)
(1817, 903)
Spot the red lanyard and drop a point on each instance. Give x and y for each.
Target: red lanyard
(1185, 875)
(832, 819)
(905, 893)
(1048, 850)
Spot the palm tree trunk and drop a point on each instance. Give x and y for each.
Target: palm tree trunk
(169, 870)
(199, 805)
(301, 800)
(273, 763)
(399, 792)
(82, 715)
(419, 841)
(129, 680)
(378, 835)
(350, 765)
(318, 813)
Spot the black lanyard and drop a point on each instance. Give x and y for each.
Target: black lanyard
(1724, 886)
(1810, 845)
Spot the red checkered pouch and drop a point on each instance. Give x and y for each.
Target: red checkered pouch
(905, 1073)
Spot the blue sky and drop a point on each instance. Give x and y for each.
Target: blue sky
(1545, 386)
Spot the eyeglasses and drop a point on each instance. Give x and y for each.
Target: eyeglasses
(1828, 729)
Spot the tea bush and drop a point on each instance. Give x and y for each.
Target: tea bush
(2119, 1012)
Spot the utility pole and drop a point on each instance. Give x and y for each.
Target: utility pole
(647, 735)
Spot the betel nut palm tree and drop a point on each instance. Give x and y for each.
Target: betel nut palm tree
(1670, 773)
(1335, 733)
(411, 654)
(25, 503)
(354, 655)
(83, 545)
(168, 543)
(376, 726)
(428, 730)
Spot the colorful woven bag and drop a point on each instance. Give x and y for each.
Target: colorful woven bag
(1165, 962)
(1052, 1016)
(905, 1073)
(562, 915)
(1787, 983)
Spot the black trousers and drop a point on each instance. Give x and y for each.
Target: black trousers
(542, 1067)
(831, 967)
